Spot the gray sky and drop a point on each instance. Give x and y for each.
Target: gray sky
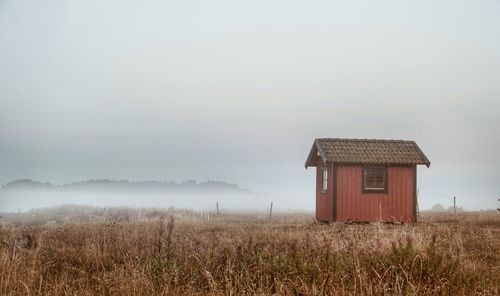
(238, 90)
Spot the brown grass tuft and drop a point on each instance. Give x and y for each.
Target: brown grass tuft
(178, 254)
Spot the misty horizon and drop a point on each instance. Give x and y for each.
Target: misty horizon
(31, 182)
(26, 195)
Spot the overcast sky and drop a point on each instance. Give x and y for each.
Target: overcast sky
(238, 90)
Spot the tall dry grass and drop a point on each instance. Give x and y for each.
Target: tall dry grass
(178, 254)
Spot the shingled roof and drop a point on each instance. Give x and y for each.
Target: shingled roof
(366, 151)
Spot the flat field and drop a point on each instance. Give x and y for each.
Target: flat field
(182, 253)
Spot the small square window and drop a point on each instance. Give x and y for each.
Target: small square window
(374, 179)
(325, 180)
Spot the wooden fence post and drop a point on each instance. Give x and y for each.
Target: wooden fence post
(271, 211)
(217, 208)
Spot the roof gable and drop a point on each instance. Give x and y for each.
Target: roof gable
(366, 151)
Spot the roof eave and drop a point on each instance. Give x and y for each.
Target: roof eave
(315, 147)
(375, 163)
(427, 162)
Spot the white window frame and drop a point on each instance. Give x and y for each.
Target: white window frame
(324, 179)
(371, 189)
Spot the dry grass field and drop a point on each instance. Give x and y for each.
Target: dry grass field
(179, 253)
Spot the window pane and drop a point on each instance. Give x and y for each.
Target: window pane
(325, 179)
(374, 178)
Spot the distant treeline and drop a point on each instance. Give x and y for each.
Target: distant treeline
(125, 186)
(439, 208)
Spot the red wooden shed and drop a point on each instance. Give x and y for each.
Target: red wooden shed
(366, 180)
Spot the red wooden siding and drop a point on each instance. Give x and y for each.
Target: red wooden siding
(353, 205)
(324, 199)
